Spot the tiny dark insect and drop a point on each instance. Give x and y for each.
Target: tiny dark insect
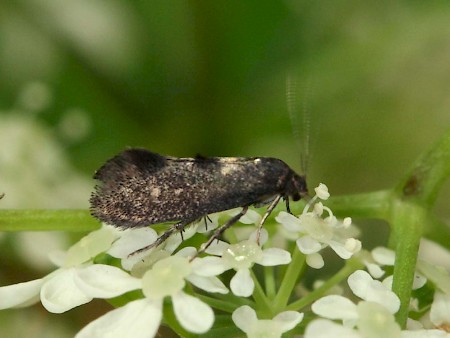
(139, 188)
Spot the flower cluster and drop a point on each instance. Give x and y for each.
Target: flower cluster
(262, 280)
(315, 232)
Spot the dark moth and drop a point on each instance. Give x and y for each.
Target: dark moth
(139, 188)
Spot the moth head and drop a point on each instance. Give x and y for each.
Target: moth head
(297, 188)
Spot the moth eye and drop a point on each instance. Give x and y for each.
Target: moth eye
(296, 197)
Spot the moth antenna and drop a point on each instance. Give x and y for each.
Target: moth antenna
(302, 140)
(306, 114)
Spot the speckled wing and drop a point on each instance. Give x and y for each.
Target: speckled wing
(138, 187)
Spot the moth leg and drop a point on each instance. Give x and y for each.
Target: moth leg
(288, 209)
(161, 239)
(267, 213)
(220, 231)
(206, 218)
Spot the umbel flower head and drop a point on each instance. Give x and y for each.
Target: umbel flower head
(319, 228)
(241, 257)
(172, 276)
(142, 317)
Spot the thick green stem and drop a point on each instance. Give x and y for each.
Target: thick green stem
(410, 216)
(47, 220)
(408, 221)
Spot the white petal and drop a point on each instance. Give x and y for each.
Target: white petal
(315, 261)
(209, 266)
(210, 284)
(89, 246)
(425, 334)
(368, 289)
(250, 217)
(440, 309)
(57, 257)
(288, 319)
(375, 320)
(130, 261)
(137, 319)
(437, 275)
(290, 222)
(375, 270)
(274, 256)
(242, 283)
(359, 283)
(60, 293)
(21, 294)
(308, 245)
(335, 307)
(323, 328)
(187, 252)
(412, 324)
(217, 248)
(244, 317)
(212, 222)
(340, 249)
(132, 240)
(194, 315)
(263, 236)
(383, 256)
(173, 242)
(322, 191)
(419, 281)
(104, 281)
(353, 245)
(387, 282)
(434, 253)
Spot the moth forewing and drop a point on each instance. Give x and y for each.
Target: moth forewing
(138, 188)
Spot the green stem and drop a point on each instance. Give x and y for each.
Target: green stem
(366, 205)
(262, 303)
(351, 265)
(269, 281)
(289, 280)
(410, 206)
(47, 220)
(218, 304)
(428, 174)
(408, 222)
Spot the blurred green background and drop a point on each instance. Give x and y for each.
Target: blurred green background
(80, 80)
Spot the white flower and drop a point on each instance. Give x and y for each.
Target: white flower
(322, 191)
(369, 319)
(315, 232)
(129, 242)
(59, 291)
(363, 286)
(440, 310)
(245, 318)
(241, 257)
(378, 325)
(372, 317)
(166, 278)
(381, 256)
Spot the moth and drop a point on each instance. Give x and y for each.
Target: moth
(138, 188)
